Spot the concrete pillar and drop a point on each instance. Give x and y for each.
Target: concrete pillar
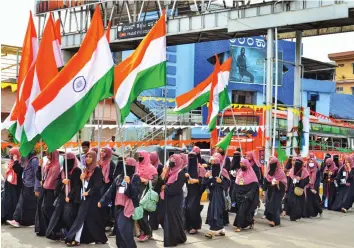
(67, 55)
(269, 93)
(297, 79)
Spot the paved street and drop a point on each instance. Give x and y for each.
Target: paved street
(332, 230)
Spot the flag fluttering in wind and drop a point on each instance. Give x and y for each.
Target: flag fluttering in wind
(199, 95)
(225, 142)
(28, 56)
(67, 103)
(194, 98)
(48, 60)
(144, 69)
(219, 96)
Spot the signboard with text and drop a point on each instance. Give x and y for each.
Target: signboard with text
(136, 29)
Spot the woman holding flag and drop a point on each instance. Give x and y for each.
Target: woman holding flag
(275, 185)
(108, 167)
(88, 226)
(172, 194)
(125, 196)
(217, 180)
(45, 207)
(246, 193)
(68, 191)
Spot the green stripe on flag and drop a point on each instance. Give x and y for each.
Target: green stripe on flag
(62, 129)
(27, 147)
(12, 131)
(225, 142)
(153, 77)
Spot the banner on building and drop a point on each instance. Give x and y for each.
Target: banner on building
(249, 61)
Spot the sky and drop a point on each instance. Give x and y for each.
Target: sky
(14, 19)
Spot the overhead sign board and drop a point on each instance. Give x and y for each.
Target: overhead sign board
(136, 29)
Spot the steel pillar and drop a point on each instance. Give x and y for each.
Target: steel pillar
(269, 93)
(297, 79)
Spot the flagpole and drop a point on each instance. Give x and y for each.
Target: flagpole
(66, 173)
(82, 181)
(100, 131)
(238, 135)
(276, 90)
(221, 121)
(165, 150)
(120, 138)
(165, 120)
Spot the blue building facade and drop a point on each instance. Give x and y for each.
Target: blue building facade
(188, 65)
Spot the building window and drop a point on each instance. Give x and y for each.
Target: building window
(243, 97)
(312, 102)
(352, 90)
(339, 89)
(340, 65)
(353, 67)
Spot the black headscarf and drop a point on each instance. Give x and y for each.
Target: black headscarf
(272, 168)
(236, 161)
(288, 165)
(215, 170)
(297, 167)
(192, 168)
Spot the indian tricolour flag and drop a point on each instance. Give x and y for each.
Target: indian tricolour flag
(28, 56)
(144, 69)
(219, 97)
(194, 98)
(67, 103)
(49, 59)
(199, 95)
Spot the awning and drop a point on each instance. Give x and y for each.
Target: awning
(12, 85)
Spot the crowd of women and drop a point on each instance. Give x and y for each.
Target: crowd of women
(79, 203)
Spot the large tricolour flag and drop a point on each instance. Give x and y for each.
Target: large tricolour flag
(199, 95)
(28, 56)
(219, 96)
(144, 69)
(49, 59)
(67, 103)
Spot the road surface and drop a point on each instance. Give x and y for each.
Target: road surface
(333, 229)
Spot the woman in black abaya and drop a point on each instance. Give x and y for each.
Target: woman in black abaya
(194, 174)
(343, 181)
(45, 208)
(172, 194)
(12, 187)
(124, 194)
(217, 180)
(329, 189)
(296, 201)
(274, 184)
(313, 202)
(246, 193)
(88, 226)
(289, 165)
(235, 166)
(66, 206)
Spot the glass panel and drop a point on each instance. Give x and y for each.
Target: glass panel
(326, 128)
(336, 130)
(315, 127)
